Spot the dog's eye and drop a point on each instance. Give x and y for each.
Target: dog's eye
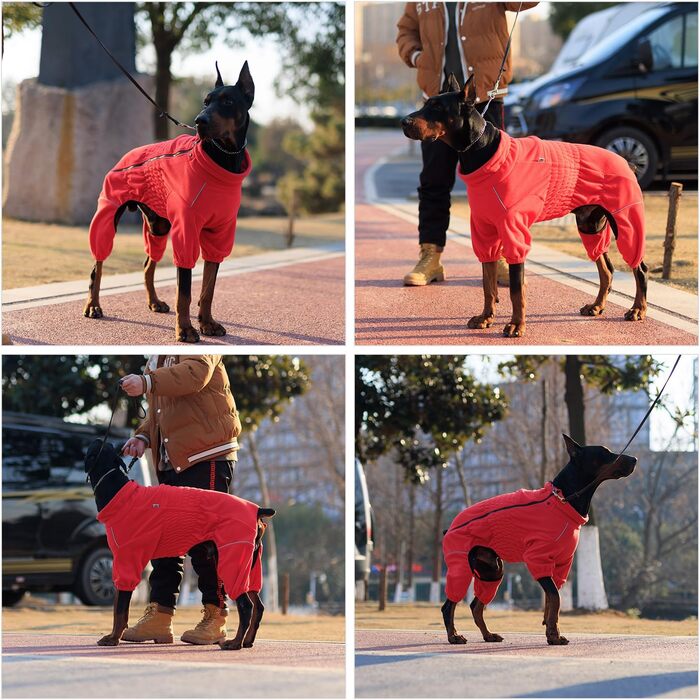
(227, 103)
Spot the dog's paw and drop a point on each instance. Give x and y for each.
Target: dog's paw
(635, 314)
(592, 310)
(187, 335)
(456, 639)
(480, 321)
(211, 328)
(514, 330)
(160, 307)
(493, 637)
(91, 311)
(108, 640)
(247, 645)
(557, 641)
(230, 644)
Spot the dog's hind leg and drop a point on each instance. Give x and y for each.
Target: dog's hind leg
(477, 608)
(448, 617)
(245, 614)
(551, 607)
(258, 610)
(490, 285)
(92, 305)
(120, 621)
(638, 311)
(149, 272)
(516, 327)
(207, 325)
(184, 332)
(605, 275)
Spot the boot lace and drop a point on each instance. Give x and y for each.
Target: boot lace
(151, 609)
(427, 259)
(209, 615)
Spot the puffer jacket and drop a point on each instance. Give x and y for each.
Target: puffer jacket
(191, 409)
(483, 35)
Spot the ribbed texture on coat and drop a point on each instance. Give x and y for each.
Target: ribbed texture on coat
(530, 180)
(534, 527)
(150, 522)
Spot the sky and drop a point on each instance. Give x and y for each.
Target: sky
(21, 61)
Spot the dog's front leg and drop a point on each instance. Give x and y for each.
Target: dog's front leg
(149, 273)
(121, 619)
(207, 325)
(448, 617)
(184, 332)
(551, 607)
(258, 610)
(516, 327)
(605, 275)
(490, 284)
(477, 608)
(92, 305)
(245, 613)
(638, 311)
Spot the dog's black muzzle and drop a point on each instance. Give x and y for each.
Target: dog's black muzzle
(410, 129)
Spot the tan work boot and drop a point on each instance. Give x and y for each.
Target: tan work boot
(502, 273)
(211, 629)
(428, 269)
(156, 624)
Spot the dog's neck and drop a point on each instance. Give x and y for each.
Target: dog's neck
(569, 481)
(482, 149)
(234, 162)
(106, 484)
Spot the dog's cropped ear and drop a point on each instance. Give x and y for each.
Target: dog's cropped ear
(266, 512)
(219, 82)
(469, 90)
(453, 84)
(572, 447)
(245, 84)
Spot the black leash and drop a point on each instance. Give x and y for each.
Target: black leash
(162, 112)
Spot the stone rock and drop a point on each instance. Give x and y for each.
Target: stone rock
(63, 142)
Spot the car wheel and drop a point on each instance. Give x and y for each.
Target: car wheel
(11, 597)
(636, 148)
(93, 584)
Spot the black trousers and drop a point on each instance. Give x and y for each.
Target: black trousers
(167, 573)
(437, 180)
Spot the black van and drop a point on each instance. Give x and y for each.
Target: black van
(51, 540)
(633, 91)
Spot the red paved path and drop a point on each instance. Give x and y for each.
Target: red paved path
(296, 304)
(387, 313)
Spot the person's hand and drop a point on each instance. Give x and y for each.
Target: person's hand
(132, 384)
(134, 447)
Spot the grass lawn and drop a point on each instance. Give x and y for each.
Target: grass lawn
(684, 273)
(35, 253)
(76, 619)
(425, 616)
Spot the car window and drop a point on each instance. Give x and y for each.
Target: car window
(667, 44)
(690, 55)
(41, 459)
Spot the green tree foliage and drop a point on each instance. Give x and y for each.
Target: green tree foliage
(418, 402)
(564, 16)
(18, 16)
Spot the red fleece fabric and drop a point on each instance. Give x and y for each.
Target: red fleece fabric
(150, 522)
(182, 184)
(534, 527)
(530, 180)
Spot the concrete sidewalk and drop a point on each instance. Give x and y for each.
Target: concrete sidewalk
(291, 297)
(558, 284)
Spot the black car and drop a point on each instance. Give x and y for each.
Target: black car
(633, 91)
(51, 540)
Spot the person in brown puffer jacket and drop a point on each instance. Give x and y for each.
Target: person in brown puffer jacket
(192, 428)
(440, 38)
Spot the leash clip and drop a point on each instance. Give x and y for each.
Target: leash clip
(558, 493)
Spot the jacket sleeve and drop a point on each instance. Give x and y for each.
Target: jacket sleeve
(513, 6)
(189, 376)
(561, 572)
(143, 429)
(408, 38)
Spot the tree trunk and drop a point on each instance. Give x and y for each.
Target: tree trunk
(411, 534)
(271, 588)
(573, 397)
(462, 480)
(163, 80)
(545, 417)
(437, 539)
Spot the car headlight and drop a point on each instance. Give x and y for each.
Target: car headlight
(556, 94)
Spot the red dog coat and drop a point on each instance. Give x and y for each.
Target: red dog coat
(534, 527)
(150, 522)
(529, 180)
(182, 184)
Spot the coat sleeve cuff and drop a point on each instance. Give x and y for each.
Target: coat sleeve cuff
(414, 57)
(149, 384)
(143, 438)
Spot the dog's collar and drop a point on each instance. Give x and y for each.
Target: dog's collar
(230, 153)
(558, 493)
(481, 133)
(104, 476)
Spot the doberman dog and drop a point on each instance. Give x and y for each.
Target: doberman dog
(515, 182)
(188, 187)
(147, 522)
(540, 528)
